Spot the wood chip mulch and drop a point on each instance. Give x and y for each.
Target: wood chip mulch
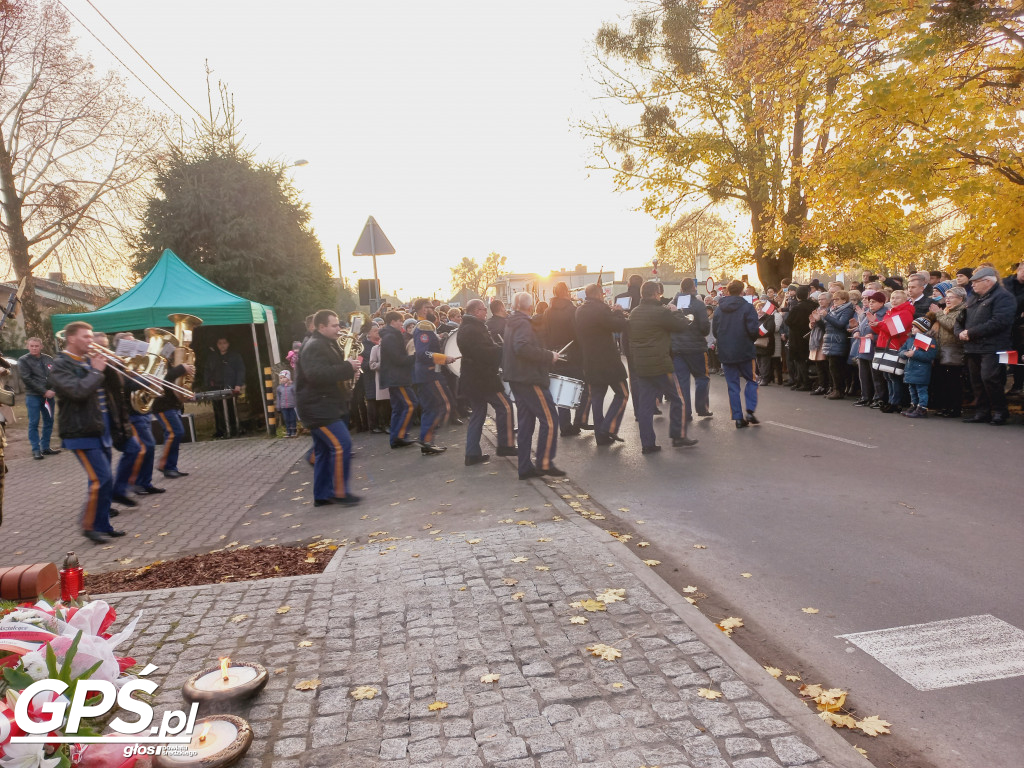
(212, 568)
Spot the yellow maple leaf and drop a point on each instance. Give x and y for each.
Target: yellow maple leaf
(307, 685)
(643, 543)
(364, 692)
(306, 644)
(438, 705)
(773, 671)
(729, 624)
(543, 540)
(641, 522)
(699, 546)
(746, 575)
(284, 609)
(623, 509)
(809, 610)
(831, 700)
(310, 559)
(689, 590)
(472, 541)
(862, 751)
(690, 600)
(518, 595)
(609, 596)
(509, 582)
(589, 605)
(872, 726)
(507, 520)
(605, 652)
(578, 620)
(707, 693)
(239, 617)
(792, 678)
(491, 678)
(811, 690)
(837, 720)
(652, 563)
(616, 685)
(541, 568)
(520, 559)
(522, 509)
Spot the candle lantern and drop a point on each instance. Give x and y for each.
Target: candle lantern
(72, 578)
(230, 681)
(217, 741)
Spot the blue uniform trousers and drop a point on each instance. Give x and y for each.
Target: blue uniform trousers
(96, 513)
(693, 364)
(174, 431)
(649, 388)
(403, 403)
(437, 408)
(534, 404)
(136, 464)
(35, 405)
(502, 421)
(332, 447)
(610, 421)
(566, 419)
(733, 373)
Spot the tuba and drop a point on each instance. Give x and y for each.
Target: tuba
(184, 355)
(152, 364)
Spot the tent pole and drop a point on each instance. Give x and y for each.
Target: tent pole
(261, 374)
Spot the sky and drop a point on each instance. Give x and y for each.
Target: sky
(452, 123)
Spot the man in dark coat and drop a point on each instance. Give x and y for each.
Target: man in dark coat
(525, 364)
(561, 331)
(596, 324)
(689, 349)
(396, 367)
(984, 328)
(496, 322)
(736, 326)
(632, 294)
(651, 325)
(323, 405)
(799, 322)
(480, 383)
(225, 370)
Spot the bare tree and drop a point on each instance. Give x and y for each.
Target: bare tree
(74, 149)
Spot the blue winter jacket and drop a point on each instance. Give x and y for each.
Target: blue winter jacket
(864, 329)
(919, 367)
(735, 328)
(837, 338)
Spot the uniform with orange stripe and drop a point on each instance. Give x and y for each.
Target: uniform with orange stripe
(596, 326)
(525, 364)
(323, 406)
(434, 394)
(396, 375)
(480, 383)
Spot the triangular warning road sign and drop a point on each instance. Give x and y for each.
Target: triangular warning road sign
(373, 241)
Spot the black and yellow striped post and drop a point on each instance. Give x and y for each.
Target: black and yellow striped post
(268, 394)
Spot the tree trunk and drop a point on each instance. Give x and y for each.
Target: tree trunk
(772, 267)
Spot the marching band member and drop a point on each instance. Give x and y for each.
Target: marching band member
(323, 407)
(560, 330)
(433, 392)
(596, 324)
(167, 408)
(92, 418)
(396, 366)
(481, 384)
(689, 351)
(135, 468)
(525, 365)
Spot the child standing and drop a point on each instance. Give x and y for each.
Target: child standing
(919, 350)
(286, 402)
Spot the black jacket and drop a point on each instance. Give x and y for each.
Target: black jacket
(33, 372)
(695, 338)
(1016, 288)
(78, 405)
(395, 363)
(595, 324)
(496, 327)
(481, 358)
(523, 360)
(799, 321)
(225, 371)
(319, 371)
(651, 325)
(169, 401)
(988, 320)
(561, 329)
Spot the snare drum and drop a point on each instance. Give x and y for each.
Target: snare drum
(566, 392)
(451, 349)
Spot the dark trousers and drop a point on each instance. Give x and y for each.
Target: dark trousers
(291, 420)
(403, 403)
(222, 429)
(947, 388)
(695, 364)
(534, 405)
(650, 387)
(821, 369)
(733, 373)
(608, 423)
(437, 408)
(332, 448)
(801, 370)
(837, 373)
(136, 464)
(96, 512)
(174, 431)
(502, 421)
(988, 380)
(634, 391)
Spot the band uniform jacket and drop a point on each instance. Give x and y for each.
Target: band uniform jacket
(395, 362)
(560, 330)
(78, 405)
(319, 371)
(481, 358)
(523, 360)
(596, 324)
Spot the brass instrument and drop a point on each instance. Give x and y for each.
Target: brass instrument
(62, 339)
(123, 365)
(350, 338)
(184, 355)
(152, 365)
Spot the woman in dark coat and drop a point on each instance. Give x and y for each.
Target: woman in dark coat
(798, 321)
(836, 345)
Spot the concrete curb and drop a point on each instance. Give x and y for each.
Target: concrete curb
(823, 738)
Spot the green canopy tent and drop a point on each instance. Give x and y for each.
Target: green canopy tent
(171, 286)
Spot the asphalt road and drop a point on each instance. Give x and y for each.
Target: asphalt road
(878, 522)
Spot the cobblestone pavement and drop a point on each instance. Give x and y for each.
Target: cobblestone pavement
(43, 500)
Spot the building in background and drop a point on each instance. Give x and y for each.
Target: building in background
(55, 296)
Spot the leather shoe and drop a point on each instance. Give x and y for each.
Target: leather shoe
(978, 418)
(741, 423)
(471, 460)
(115, 534)
(95, 536)
(403, 443)
(37, 455)
(429, 449)
(529, 474)
(752, 419)
(510, 451)
(348, 501)
(553, 471)
(587, 427)
(570, 432)
(683, 442)
(650, 449)
(861, 403)
(705, 414)
(124, 500)
(51, 451)
(173, 473)
(113, 513)
(147, 490)
(322, 502)
(998, 420)
(603, 438)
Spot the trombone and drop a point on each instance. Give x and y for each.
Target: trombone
(146, 381)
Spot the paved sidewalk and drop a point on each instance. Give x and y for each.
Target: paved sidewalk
(422, 613)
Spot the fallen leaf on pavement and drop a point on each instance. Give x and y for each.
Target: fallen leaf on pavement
(605, 652)
(306, 644)
(491, 678)
(643, 543)
(239, 617)
(623, 509)
(284, 609)
(509, 582)
(773, 671)
(746, 575)
(699, 546)
(689, 590)
(308, 685)
(612, 596)
(522, 509)
(616, 685)
(729, 624)
(364, 692)
(438, 705)
(543, 540)
(652, 563)
(792, 678)
(520, 559)
(862, 751)
(872, 726)
(838, 721)
(472, 541)
(690, 600)
(589, 605)
(707, 693)
(518, 595)
(809, 610)
(541, 568)
(578, 620)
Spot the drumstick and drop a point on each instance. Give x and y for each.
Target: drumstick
(565, 347)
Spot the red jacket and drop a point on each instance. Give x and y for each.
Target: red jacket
(905, 312)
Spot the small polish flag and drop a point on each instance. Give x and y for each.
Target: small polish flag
(922, 341)
(1009, 358)
(769, 308)
(895, 325)
(761, 330)
(865, 345)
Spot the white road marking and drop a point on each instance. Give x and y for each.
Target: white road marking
(820, 434)
(943, 654)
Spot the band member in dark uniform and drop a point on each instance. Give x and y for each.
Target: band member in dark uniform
(396, 374)
(596, 324)
(525, 365)
(481, 384)
(560, 330)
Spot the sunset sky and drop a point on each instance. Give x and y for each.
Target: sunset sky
(452, 123)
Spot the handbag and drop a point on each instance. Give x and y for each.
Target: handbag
(888, 361)
(761, 342)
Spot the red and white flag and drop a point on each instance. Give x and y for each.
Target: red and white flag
(769, 308)
(894, 323)
(922, 340)
(865, 345)
(1009, 358)
(761, 330)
